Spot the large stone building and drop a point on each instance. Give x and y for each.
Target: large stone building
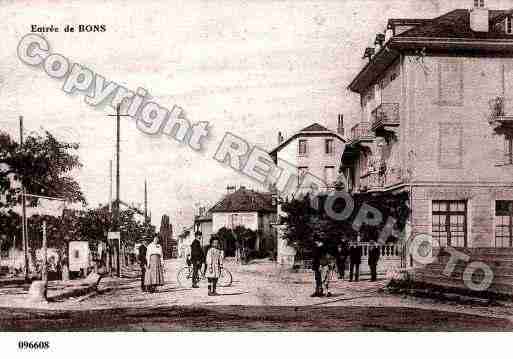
(437, 123)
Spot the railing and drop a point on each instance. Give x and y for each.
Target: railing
(361, 131)
(371, 181)
(388, 251)
(385, 114)
(501, 108)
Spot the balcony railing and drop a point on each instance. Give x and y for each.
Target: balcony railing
(501, 109)
(386, 114)
(361, 131)
(371, 181)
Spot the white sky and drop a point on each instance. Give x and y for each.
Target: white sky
(249, 67)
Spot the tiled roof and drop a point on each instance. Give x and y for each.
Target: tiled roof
(315, 128)
(449, 33)
(456, 24)
(245, 200)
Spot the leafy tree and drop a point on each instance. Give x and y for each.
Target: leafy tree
(299, 220)
(303, 219)
(43, 165)
(166, 235)
(226, 238)
(246, 236)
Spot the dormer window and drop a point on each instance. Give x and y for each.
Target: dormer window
(479, 3)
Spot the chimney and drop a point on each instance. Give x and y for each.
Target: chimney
(369, 52)
(389, 33)
(479, 19)
(340, 124)
(280, 137)
(230, 189)
(378, 43)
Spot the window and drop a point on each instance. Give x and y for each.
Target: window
(508, 149)
(450, 223)
(450, 148)
(301, 171)
(328, 146)
(450, 83)
(479, 3)
(329, 175)
(302, 147)
(504, 224)
(76, 254)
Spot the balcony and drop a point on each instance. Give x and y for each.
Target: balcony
(501, 111)
(384, 116)
(361, 132)
(371, 181)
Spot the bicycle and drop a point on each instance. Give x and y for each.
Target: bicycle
(184, 277)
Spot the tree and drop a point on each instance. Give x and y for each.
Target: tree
(246, 236)
(303, 219)
(166, 236)
(226, 238)
(299, 220)
(43, 165)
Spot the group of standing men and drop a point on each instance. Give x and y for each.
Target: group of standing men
(324, 262)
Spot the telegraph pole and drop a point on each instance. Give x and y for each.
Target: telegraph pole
(24, 233)
(44, 272)
(145, 202)
(116, 203)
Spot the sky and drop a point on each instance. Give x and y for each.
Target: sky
(252, 68)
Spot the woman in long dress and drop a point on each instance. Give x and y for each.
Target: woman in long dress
(154, 271)
(214, 262)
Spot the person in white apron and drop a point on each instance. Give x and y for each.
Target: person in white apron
(214, 262)
(154, 276)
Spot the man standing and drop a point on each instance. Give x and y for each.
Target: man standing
(374, 253)
(238, 251)
(355, 257)
(317, 258)
(141, 257)
(342, 253)
(197, 259)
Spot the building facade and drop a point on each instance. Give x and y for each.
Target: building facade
(250, 209)
(436, 122)
(315, 150)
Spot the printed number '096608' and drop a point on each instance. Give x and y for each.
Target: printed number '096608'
(33, 345)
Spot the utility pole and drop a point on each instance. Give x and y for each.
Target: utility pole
(110, 187)
(145, 202)
(44, 271)
(116, 203)
(24, 233)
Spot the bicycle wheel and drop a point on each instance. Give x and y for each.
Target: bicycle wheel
(225, 279)
(184, 276)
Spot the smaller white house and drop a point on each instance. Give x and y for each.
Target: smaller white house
(250, 209)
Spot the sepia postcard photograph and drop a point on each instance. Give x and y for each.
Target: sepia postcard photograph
(255, 166)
